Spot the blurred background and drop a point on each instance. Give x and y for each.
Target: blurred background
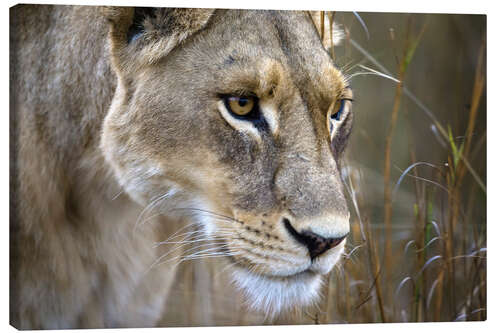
(414, 174)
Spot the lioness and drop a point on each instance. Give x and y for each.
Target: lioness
(231, 120)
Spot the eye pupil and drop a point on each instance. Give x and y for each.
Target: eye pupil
(240, 106)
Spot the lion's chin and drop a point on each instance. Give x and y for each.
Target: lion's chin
(273, 295)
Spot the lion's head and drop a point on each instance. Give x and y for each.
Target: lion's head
(236, 119)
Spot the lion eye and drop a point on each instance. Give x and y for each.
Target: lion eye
(335, 113)
(338, 109)
(240, 106)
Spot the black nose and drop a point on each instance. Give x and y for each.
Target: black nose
(315, 243)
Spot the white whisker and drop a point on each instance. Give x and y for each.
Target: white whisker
(149, 207)
(180, 246)
(189, 234)
(190, 241)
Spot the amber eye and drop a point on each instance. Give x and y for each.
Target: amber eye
(240, 106)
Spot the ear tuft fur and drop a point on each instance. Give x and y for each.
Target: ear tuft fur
(141, 14)
(337, 34)
(141, 36)
(171, 21)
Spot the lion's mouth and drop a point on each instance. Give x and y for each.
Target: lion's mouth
(296, 268)
(276, 276)
(304, 274)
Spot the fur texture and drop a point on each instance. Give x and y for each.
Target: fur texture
(117, 115)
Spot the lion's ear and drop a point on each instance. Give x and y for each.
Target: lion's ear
(140, 36)
(332, 33)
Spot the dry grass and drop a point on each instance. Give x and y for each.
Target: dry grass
(437, 272)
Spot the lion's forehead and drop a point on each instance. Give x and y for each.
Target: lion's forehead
(258, 46)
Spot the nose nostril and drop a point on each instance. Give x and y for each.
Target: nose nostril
(315, 243)
(291, 229)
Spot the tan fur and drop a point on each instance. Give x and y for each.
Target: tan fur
(102, 126)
